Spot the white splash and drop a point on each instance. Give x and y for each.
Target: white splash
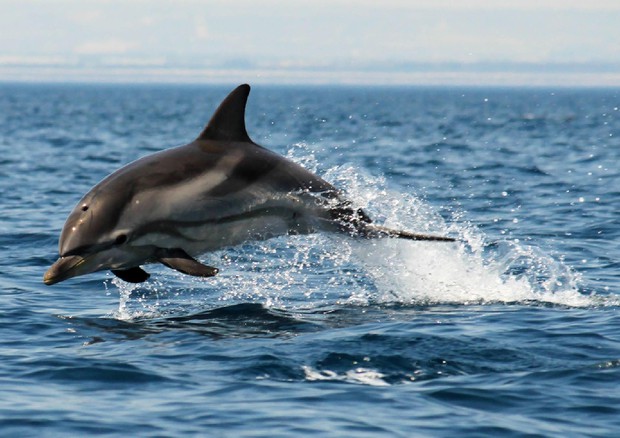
(359, 376)
(469, 271)
(139, 300)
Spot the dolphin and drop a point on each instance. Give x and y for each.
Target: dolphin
(220, 190)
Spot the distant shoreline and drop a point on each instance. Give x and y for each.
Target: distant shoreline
(460, 76)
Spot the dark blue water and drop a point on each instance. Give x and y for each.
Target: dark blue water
(513, 331)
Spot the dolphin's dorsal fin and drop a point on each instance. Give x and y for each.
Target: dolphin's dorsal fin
(228, 121)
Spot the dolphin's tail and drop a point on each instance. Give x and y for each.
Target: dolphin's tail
(357, 222)
(374, 231)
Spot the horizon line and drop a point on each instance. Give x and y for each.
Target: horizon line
(467, 75)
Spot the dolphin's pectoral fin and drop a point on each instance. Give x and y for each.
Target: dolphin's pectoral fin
(132, 275)
(181, 261)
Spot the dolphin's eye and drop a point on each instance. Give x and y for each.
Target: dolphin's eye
(84, 207)
(120, 239)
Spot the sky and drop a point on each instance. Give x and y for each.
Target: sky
(502, 42)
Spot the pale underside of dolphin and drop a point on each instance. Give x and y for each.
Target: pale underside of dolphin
(220, 190)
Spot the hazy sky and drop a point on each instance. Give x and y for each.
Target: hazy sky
(301, 36)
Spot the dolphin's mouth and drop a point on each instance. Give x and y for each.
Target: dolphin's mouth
(62, 269)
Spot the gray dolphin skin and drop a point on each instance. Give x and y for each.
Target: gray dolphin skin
(220, 190)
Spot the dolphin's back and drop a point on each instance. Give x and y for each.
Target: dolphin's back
(205, 180)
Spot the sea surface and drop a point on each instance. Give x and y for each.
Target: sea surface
(514, 330)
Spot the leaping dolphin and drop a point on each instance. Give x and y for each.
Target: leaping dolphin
(220, 190)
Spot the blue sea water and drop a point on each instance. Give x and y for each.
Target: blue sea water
(512, 331)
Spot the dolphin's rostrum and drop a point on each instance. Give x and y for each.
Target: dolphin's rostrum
(222, 189)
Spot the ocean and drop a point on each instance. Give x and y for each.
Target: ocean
(514, 330)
